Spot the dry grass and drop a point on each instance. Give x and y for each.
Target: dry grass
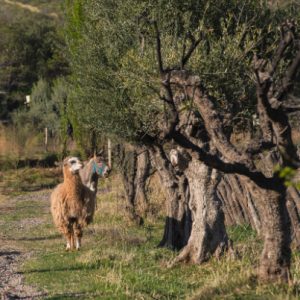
(23, 143)
(28, 179)
(156, 198)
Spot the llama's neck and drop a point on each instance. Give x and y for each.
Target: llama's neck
(73, 185)
(89, 176)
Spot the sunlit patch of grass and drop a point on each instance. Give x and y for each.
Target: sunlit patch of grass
(242, 233)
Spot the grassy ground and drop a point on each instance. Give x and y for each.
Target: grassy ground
(120, 261)
(15, 181)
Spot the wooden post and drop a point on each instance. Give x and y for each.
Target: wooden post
(27, 101)
(109, 152)
(46, 139)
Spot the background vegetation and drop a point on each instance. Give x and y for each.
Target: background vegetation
(92, 65)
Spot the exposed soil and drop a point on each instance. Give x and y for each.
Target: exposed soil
(12, 254)
(11, 281)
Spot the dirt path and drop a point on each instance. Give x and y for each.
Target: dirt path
(17, 219)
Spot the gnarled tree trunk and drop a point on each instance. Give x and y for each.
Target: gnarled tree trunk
(178, 221)
(208, 235)
(275, 226)
(238, 203)
(292, 197)
(142, 174)
(293, 205)
(134, 166)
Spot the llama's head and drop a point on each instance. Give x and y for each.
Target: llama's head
(100, 167)
(72, 164)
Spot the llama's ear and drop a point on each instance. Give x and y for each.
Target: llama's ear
(65, 161)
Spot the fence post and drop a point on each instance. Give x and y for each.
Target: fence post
(109, 152)
(46, 139)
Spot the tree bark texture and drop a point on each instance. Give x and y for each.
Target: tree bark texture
(241, 207)
(275, 228)
(238, 202)
(208, 236)
(292, 197)
(178, 221)
(142, 174)
(268, 191)
(293, 206)
(134, 166)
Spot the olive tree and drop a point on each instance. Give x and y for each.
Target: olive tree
(188, 74)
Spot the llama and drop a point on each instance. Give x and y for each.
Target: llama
(68, 203)
(89, 174)
(73, 202)
(91, 171)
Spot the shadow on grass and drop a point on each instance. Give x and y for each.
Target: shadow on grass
(65, 269)
(228, 289)
(41, 205)
(38, 238)
(41, 238)
(85, 295)
(245, 288)
(13, 296)
(37, 187)
(116, 236)
(4, 253)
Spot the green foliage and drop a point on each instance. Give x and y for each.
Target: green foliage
(59, 98)
(75, 18)
(107, 106)
(47, 109)
(289, 175)
(31, 47)
(42, 111)
(115, 79)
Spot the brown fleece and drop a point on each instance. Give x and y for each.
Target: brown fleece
(67, 206)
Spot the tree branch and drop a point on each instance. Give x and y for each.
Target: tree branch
(288, 80)
(211, 117)
(273, 118)
(259, 146)
(287, 35)
(263, 83)
(291, 109)
(173, 119)
(193, 46)
(158, 48)
(214, 161)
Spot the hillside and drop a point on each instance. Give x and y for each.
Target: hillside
(48, 8)
(30, 48)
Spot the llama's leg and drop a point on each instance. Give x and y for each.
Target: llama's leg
(72, 241)
(68, 233)
(78, 235)
(69, 241)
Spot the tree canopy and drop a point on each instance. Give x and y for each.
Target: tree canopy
(116, 79)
